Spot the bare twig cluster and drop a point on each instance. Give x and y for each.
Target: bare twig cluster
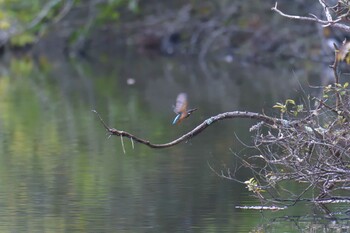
(316, 152)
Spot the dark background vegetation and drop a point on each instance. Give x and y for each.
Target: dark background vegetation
(83, 28)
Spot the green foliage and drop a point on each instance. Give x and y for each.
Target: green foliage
(107, 13)
(21, 11)
(17, 14)
(336, 88)
(22, 67)
(283, 107)
(294, 109)
(4, 25)
(4, 18)
(23, 39)
(110, 11)
(253, 186)
(36, 15)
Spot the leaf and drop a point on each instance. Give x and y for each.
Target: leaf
(279, 105)
(343, 52)
(4, 25)
(300, 107)
(290, 101)
(23, 39)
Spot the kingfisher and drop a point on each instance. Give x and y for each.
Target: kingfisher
(181, 108)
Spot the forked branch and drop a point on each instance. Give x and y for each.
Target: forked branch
(336, 23)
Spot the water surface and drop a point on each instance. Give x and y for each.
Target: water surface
(60, 172)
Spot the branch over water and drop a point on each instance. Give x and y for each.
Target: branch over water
(201, 127)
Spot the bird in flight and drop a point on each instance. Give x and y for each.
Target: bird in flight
(181, 108)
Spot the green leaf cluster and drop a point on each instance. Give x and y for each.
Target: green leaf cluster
(337, 88)
(289, 106)
(253, 186)
(23, 39)
(110, 12)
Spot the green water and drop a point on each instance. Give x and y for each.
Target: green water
(60, 172)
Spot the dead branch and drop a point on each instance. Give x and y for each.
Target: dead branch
(208, 122)
(335, 23)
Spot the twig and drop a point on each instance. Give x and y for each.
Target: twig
(122, 142)
(103, 123)
(326, 10)
(313, 19)
(132, 143)
(334, 66)
(326, 106)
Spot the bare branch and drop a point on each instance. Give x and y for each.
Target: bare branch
(103, 123)
(326, 10)
(335, 23)
(200, 127)
(313, 19)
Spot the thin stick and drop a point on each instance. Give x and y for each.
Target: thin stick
(334, 66)
(103, 123)
(132, 143)
(122, 141)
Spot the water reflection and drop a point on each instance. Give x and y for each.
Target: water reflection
(60, 173)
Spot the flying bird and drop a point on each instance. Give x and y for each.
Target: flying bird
(181, 108)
